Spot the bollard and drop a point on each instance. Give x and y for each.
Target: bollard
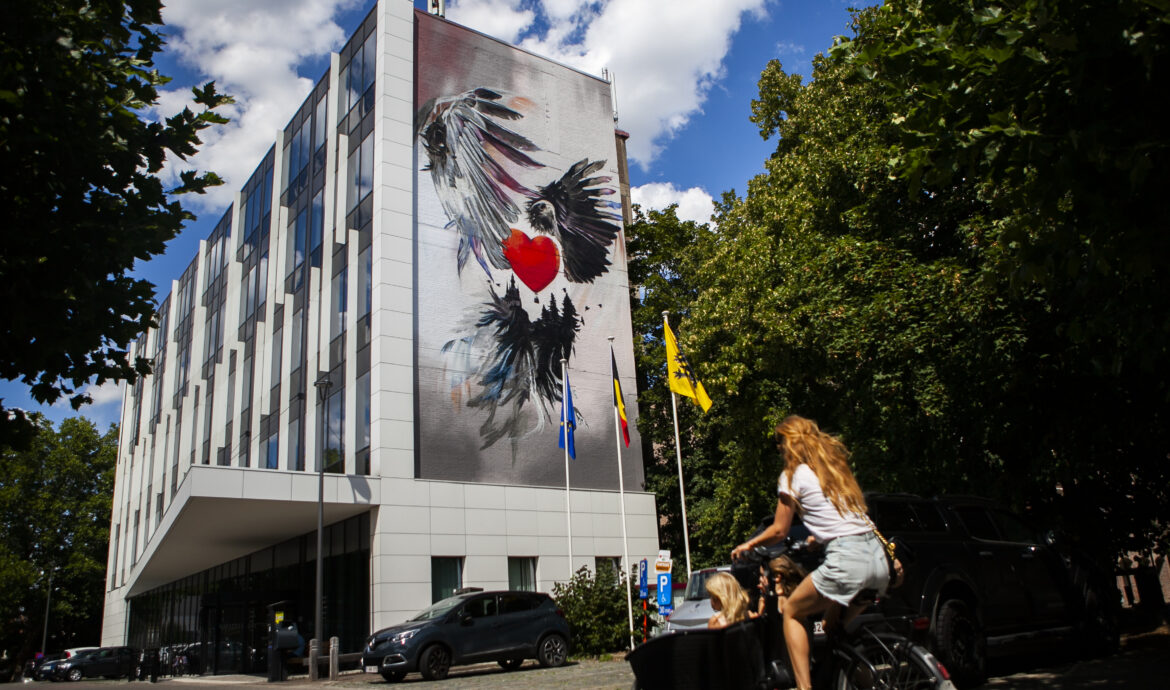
(314, 653)
(333, 660)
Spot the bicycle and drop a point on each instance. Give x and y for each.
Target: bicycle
(872, 652)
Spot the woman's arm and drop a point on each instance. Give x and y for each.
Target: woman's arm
(781, 523)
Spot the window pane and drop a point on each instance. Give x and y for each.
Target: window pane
(318, 222)
(446, 577)
(351, 179)
(368, 62)
(296, 459)
(337, 317)
(272, 452)
(365, 282)
(522, 574)
(277, 349)
(319, 123)
(366, 181)
(363, 405)
(334, 432)
(978, 523)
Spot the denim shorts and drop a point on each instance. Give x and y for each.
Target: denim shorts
(852, 564)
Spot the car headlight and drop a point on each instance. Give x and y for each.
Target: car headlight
(402, 637)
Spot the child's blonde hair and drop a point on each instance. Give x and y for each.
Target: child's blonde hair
(732, 598)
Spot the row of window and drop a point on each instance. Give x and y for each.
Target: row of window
(305, 149)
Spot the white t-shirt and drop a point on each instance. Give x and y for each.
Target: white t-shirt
(818, 514)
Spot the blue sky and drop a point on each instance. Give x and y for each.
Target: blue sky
(685, 75)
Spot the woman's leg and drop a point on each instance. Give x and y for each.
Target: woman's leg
(804, 601)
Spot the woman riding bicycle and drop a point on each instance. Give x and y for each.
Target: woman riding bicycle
(818, 484)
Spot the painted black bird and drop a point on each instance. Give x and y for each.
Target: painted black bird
(573, 210)
(462, 139)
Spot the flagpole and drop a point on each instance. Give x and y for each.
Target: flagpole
(678, 453)
(565, 434)
(617, 431)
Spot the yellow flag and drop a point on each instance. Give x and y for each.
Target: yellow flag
(678, 371)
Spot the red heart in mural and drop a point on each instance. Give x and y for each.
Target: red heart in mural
(535, 261)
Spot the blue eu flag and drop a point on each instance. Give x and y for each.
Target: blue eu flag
(568, 419)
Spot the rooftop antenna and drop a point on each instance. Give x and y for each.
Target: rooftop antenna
(608, 76)
(439, 7)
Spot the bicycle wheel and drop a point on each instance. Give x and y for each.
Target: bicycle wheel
(885, 661)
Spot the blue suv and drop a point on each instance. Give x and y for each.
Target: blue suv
(472, 627)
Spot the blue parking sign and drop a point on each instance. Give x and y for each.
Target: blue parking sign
(643, 586)
(665, 600)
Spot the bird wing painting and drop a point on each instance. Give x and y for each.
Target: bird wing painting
(519, 261)
(476, 164)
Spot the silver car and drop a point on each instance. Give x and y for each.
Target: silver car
(695, 610)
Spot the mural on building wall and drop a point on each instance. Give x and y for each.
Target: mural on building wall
(520, 263)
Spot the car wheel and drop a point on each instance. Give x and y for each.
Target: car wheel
(393, 676)
(960, 644)
(75, 674)
(552, 651)
(435, 662)
(510, 664)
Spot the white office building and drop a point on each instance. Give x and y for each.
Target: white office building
(391, 294)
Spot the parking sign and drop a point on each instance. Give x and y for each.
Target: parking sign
(665, 600)
(643, 587)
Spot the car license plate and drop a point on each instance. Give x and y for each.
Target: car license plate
(371, 669)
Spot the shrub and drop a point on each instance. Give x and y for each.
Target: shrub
(595, 606)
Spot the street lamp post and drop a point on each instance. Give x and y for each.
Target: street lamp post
(48, 600)
(323, 384)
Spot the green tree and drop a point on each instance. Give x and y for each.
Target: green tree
(665, 255)
(967, 322)
(594, 604)
(79, 191)
(55, 499)
(1042, 106)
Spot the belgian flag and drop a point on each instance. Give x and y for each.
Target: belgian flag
(617, 399)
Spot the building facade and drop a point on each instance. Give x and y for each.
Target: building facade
(391, 295)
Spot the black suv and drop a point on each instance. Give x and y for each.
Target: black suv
(468, 628)
(989, 582)
(106, 662)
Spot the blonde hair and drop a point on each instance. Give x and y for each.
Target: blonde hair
(803, 442)
(732, 599)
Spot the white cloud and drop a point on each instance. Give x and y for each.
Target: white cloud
(108, 392)
(693, 204)
(664, 59)
(251, 50)
(503, 19)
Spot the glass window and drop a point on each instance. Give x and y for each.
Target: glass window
(296, 456)
(296, 240)
(318, 222)
(365, 282)
(610, 563)
(978, 522)
(363, 406)
(277, 349)
(481, 607)
(446, 576)
(335, 432)
(340, 304)
(272, 452)
(298, 341)
(360, 172)
(522, 574)
(319, 123)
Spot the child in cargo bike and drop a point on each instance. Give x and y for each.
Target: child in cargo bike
(817, 483)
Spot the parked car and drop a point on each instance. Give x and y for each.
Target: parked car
(990, 582)
(43, 670)
(507, 627)
(105, 662)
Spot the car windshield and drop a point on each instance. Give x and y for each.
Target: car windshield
(439, 608)
(697, 587)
